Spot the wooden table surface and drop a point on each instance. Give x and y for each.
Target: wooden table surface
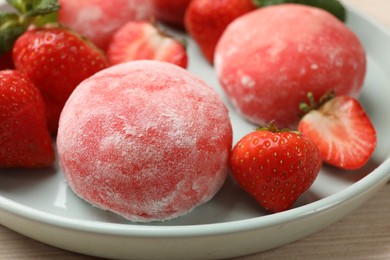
(364, 234)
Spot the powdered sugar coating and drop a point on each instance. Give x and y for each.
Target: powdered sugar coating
(268, 60)
(145, 139)
(99, 19)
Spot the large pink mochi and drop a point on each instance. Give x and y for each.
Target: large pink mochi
(146, 140)
(269, 59)
(98, 20)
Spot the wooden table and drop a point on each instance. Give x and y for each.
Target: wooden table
(364, 234)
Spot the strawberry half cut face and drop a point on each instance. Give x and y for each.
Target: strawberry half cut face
(343, 132)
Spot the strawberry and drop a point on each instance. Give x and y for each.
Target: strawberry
(56, 60)
(24, 138)
(205, 21)
(170, 12)
(13, 24)
(341, 129)
(275, 166)
(143, 40)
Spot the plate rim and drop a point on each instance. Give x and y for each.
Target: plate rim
(378, 176)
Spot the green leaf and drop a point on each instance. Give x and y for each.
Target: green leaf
(332, 6)
(32, 8)
(45, 19)
(37, 12)
(42, 7)
(7, 19)
(20, 5)
(10, 30)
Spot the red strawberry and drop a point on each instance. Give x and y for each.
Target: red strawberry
(205, 21)
(275, 167)
(342, 130)
(170, 12)
(26, 13)
(24, 138)
(56, 60)
(144, 41)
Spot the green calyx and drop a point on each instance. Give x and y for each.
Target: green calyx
(332, 6)
(29, 12)
(271, 127)
(312, 104)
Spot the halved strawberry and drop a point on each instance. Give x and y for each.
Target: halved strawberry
(342, 131)
(144, 41)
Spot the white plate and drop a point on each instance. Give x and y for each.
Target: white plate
(39, 204)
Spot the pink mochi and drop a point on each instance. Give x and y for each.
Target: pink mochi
(146, 140)
(269, 59)
(98, 20)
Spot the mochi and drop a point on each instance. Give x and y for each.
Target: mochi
(269, 59)
(145, 139)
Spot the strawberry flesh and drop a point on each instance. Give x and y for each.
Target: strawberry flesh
(144, 41)
(343, 132)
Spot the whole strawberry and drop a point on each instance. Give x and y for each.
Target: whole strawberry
(205, 21)
(25, 13)
(275, 166)
(24, 138)
(142, 40)
(56, 60)
(341, 129)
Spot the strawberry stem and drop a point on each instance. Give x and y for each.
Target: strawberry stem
(270, 127)
(312, 104)
(274, 129)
